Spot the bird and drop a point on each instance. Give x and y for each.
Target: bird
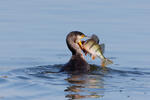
(77, 63)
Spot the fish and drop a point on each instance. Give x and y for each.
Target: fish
(91, 46)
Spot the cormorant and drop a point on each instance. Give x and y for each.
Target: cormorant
(77, 63)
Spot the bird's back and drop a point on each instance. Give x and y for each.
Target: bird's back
(76, 65)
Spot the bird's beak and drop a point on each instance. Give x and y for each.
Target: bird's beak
(84, 36)
(80, 42)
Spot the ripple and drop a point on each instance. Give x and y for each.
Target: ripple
(90, 85)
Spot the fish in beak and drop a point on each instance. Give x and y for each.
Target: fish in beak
(92, 47)
(80, 43)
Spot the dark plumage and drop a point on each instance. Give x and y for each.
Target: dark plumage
(77, 63)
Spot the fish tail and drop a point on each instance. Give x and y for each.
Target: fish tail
(106, 62)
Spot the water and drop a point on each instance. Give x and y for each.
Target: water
(33, 49)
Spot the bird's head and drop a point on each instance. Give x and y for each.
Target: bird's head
(74, 42)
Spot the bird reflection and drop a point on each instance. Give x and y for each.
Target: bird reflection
(84, 86)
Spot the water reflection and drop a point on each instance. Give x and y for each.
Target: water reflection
(78, 86)
(84, 86)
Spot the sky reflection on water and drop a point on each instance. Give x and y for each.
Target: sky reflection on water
(33, 33)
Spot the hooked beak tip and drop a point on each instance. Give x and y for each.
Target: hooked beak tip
(86, 36)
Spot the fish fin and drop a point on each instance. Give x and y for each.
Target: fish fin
(102, 48)
(103, 64)
(95, 38)
(93, 57)
(106, 62)
(86, 53)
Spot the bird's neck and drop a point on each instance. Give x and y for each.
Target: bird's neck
(74, 47)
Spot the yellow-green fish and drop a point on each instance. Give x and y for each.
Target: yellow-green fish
(92, 47)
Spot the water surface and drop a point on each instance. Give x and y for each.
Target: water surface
(33, 49)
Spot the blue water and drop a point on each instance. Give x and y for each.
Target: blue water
(33, 49)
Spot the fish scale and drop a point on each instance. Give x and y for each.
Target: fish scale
(95, 50)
